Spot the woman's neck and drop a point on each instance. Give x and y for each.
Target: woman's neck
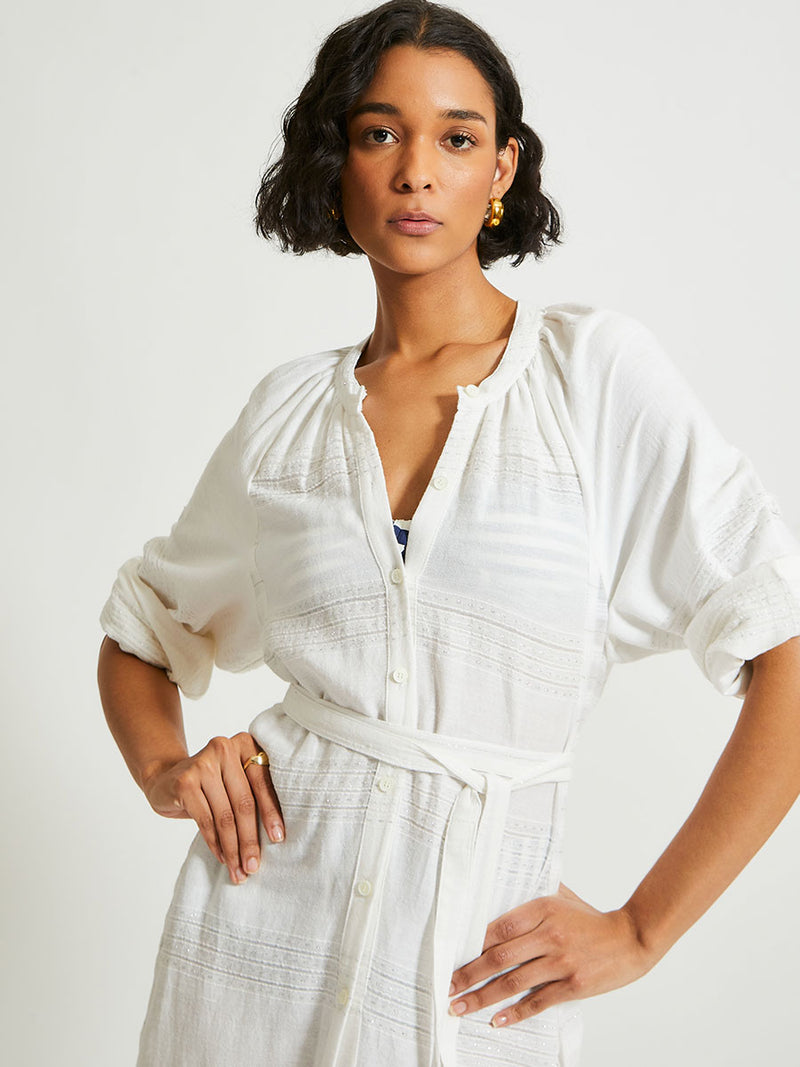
(418, 315)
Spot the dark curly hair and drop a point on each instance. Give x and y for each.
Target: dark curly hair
(298, 190)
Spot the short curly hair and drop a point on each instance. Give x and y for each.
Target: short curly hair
(298, 190)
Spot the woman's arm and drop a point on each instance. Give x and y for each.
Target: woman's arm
(569, 949)
(754, 784)
(143, 710)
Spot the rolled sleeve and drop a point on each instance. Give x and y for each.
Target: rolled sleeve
(693, 550)
(753, 612)
(191, 600)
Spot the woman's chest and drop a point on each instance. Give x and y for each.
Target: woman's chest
(487, 609)
(499, 519)
(410, 412)
(409, 432)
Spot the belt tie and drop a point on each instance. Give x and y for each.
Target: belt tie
(472, 839)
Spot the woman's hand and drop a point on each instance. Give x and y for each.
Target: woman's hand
(559, 948)
(213, 788)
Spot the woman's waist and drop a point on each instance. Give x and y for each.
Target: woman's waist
(469, 761)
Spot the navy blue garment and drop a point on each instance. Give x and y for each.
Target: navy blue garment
(402, 536)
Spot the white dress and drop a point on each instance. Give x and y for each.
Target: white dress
(584, 511)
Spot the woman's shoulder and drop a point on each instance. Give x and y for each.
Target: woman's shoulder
(291, 387)
(616, 381)
(593, 349)
(292, 374)
(575, 329)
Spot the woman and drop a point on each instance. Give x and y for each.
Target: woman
(442, 538)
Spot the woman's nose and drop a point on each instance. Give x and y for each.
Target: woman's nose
(416, 166)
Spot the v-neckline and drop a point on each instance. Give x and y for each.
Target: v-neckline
(472, 398)
(508, 366)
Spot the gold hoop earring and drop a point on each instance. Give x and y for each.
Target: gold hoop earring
(494, 213)
(334, 213)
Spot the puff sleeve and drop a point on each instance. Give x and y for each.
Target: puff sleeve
(692, 550)
(191, 599)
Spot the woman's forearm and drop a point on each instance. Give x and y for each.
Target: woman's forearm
(143, 710)
(214, 787)
(753, 785)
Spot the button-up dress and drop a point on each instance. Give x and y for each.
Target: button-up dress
(584, 511)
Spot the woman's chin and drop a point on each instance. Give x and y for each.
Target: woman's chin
(418, 258)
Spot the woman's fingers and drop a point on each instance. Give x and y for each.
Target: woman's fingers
(248, 795)
(226, 822)
(557, 948)
(527, 978)
(519, 949)
(213, 788)
(266, 797)
(196, 807)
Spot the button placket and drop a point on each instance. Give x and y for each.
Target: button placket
(400, 645)
(436, 498)
(424, 526)
(386, 551)
(361, 921)
(400, 699)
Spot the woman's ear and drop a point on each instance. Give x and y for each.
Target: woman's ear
(507, 159)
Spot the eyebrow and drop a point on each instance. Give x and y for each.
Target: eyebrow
(379, 108)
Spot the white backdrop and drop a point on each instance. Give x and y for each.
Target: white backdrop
(142, 308)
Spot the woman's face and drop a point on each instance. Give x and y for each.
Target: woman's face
(409, 151)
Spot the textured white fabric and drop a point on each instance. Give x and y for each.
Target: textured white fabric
(584, 511)
(469, 853)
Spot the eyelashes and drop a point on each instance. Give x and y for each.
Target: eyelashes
(471, 141)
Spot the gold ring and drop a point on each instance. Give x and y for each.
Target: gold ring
(261, 758)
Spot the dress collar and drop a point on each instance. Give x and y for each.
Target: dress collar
(519, 351)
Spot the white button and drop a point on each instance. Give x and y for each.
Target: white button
(385, 784)
(471, 389)
(343, 996)
(399, 674)
(364, 888)
(397, 575)
(440, 481)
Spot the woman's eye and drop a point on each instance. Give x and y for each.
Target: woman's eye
(463, 137)
(380, 133)
(462, 142)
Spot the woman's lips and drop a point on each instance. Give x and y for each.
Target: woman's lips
(415, 227)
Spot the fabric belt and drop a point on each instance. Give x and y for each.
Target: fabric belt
(472, 839)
